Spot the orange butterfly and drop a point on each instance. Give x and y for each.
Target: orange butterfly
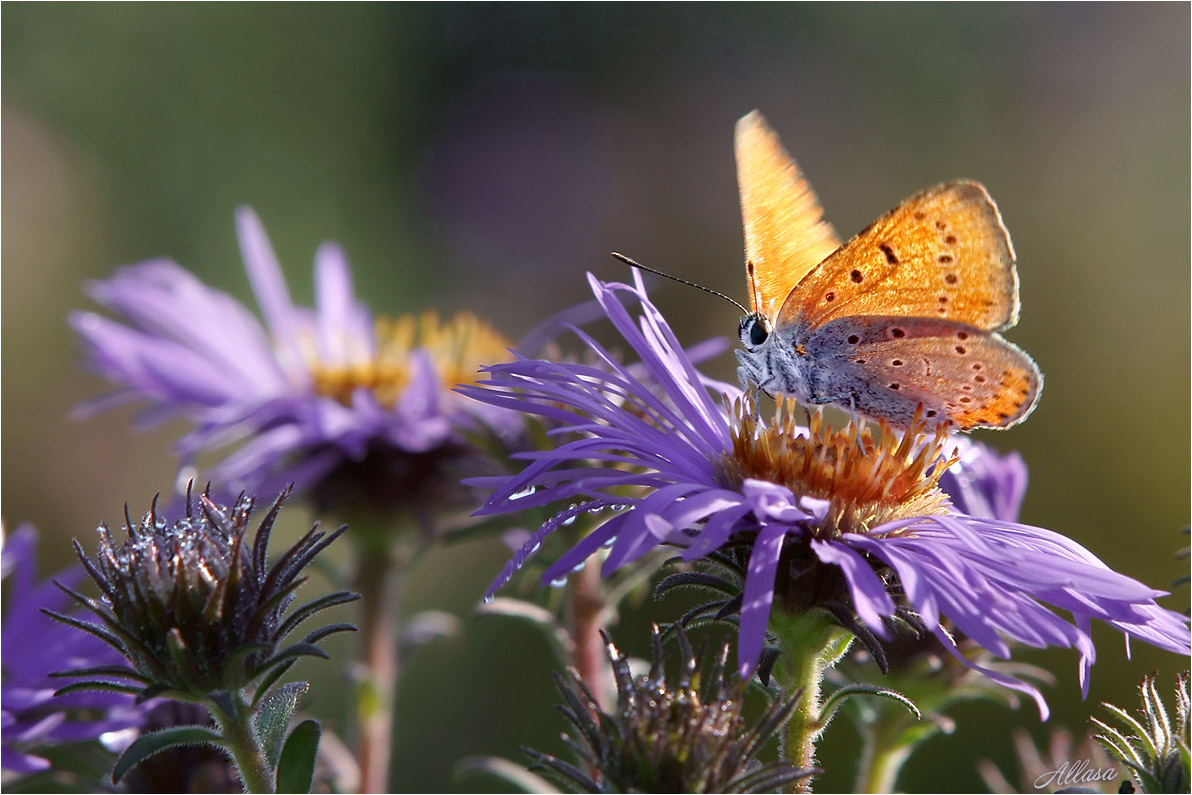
(906, 314)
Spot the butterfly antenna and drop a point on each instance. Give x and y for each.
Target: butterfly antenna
(639, 266)
(757, 299)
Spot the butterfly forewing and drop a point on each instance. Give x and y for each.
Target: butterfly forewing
(785, 236)
(941, 254)
(959, 373)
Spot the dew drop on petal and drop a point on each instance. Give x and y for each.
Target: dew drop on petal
(559, 583)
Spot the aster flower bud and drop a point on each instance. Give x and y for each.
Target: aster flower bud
(200, 616)
(1152, 746)
(666, 736)
(194, 608)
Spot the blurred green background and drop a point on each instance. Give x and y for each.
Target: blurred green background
(485, 156)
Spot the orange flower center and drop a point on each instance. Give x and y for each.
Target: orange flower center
(457, 348)
(867, 479)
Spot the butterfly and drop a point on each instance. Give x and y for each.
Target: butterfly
(902, 318)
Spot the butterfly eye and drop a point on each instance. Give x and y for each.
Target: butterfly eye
(753, 331)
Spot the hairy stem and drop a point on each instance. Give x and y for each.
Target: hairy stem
(811, 644)
(247, 753)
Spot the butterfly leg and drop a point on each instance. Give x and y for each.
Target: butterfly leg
(757, 400)
(748, 381)
(852, 405)
(849, 398)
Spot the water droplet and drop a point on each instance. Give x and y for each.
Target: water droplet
(559, 583)
(579, 566)
(526, 492)
(489, 599)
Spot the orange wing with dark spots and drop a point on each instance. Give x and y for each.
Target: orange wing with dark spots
(943, 253)
(785, 234)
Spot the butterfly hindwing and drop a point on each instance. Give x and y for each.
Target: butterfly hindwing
(941, 254)
(889, 365)
(785, 234)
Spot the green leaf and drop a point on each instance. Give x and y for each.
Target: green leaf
(560, 639)
(147, 745)
(296, 770)
(274, 718)
(275, 673)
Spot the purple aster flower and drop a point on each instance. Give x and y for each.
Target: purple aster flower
(684, 462)
(983, 483)
(326, 398)
(34, 647)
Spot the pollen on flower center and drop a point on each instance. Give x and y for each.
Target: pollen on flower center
(867, 480)
(457, 348)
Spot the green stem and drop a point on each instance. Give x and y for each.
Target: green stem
(379, 573)
(811, 644)
(237, 729)
(881, 760)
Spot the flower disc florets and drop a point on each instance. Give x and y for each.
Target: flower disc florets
(458, 347)
(192, 604)
(867, 480)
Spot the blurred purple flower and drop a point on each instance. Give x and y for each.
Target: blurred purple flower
(34, 646)
(680, 469)
(983, 483)
(313, 392)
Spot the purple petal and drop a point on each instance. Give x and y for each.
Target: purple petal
(870, 599)
(344, 327)
(269, 286)
(758, 597)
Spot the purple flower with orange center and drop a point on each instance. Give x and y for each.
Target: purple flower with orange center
(353, 410)
(356, 412)
(831, 518)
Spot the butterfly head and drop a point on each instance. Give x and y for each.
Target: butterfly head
(760, 363)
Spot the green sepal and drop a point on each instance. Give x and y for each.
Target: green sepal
(297, 650)
(310, 608)
(147, 745)
(98, 684)
(296, 768)
(274, 718)
(105, 670)
(833, 702)
(227, 703)
(270, 679)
